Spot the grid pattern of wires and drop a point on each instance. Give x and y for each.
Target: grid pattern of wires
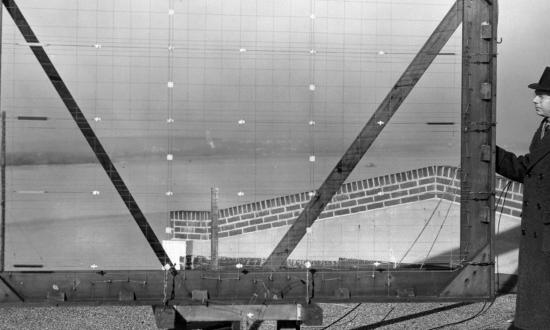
(257, 98)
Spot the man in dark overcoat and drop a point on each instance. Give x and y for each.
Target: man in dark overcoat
(533, 170)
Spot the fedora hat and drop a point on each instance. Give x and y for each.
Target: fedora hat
(544, 82)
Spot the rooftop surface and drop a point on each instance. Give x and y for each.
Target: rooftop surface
(479, 315)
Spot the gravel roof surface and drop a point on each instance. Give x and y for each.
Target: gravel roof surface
(335, 316)
(420, 315)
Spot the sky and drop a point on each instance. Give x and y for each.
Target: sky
(256, 96)
(254, 79)
(523, 55)
(243, 73)
(124, 80)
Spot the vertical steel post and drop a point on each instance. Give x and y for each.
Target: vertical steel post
(478, 146)
(214, 215)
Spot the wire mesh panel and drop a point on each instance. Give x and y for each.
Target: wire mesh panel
(257, 98)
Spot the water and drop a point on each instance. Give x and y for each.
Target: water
(55, 220)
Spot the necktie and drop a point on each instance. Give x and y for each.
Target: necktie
(544, 129)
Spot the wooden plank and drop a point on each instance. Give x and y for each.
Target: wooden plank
(8, 294)
(366, 137)
(213, 313)
(88, 132)
(478, 141)
(214, 229)
(254, 287)
(2, 168)
(165, 317)
(473, 279)
(3, 183)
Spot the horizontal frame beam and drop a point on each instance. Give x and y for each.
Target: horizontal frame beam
(131, 287)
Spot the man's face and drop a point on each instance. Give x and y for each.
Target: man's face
(542, 103)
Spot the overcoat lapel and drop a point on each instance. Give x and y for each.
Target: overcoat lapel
(540, 148)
